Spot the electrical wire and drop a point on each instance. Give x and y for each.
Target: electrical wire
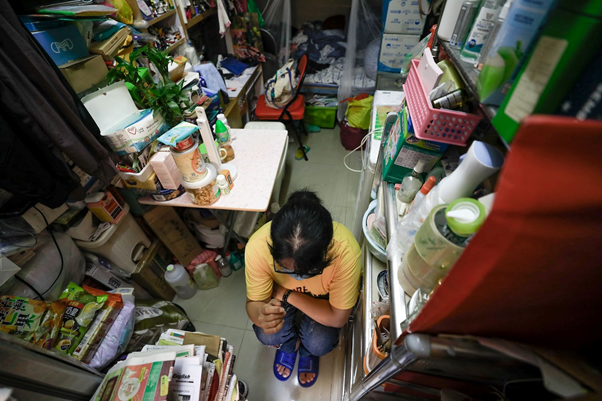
(30, 286)
(361, 147)
(58, 249)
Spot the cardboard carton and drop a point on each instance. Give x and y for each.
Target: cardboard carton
(150, 271)
(403, 16)
(63, 44)
(170, 228)
(393, 50)
(84, 73)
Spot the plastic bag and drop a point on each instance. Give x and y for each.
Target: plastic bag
(278, 22)
(124, 11)
(46, 266)
(154, 317)
(364, 26)
(119, 334)
(252, 7)
(358, 111)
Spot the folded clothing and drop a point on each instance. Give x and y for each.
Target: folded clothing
(234, 65)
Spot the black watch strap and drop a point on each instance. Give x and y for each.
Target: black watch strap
(285, 296)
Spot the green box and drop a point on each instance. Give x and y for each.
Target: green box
(403, 150)
(323, 117)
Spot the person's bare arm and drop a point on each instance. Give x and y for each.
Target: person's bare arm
(319, 310)
(267, 314)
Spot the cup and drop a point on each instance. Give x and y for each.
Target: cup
(223, 153)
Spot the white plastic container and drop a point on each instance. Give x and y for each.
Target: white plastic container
(449, 18)
(120, 243)
(204, 192)
(177, 277)
(205, 277)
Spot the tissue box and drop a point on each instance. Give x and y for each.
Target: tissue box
(393, 50)
(403, 16)
(135, 128)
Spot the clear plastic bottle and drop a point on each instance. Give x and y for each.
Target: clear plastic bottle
(177, 277)
(223, 266)
(426, 188)
(411, 183)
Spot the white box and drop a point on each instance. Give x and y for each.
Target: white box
(393, 50)
(125, 128)
(403, 16)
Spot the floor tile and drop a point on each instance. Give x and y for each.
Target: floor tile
(339, 213)
(330, 182)
(250, 325)
(254, 366)
(232, 335)
(224, 305)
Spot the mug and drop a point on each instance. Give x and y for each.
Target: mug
(223, 153)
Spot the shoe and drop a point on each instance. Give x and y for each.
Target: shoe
(286, 360)
(308, 364)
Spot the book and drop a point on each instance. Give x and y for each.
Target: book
(141, 376)
(208, 371)
(95, 10)
(109, 47)
(187, 379)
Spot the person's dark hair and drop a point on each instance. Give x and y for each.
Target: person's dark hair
(302, 231)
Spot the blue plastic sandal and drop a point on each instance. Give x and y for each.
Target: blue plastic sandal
(286, 360)
(308, 364)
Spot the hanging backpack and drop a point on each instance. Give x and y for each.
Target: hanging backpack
(280, 89)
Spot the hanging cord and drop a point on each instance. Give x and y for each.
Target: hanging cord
(57, 247)
(361, 147)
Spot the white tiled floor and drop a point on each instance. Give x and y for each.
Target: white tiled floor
(222, 311)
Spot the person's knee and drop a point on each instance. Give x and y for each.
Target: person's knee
(272, 340)
(319, 345)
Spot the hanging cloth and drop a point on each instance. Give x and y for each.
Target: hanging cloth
(46, 118)
(222, 15)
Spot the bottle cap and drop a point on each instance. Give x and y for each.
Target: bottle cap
(465, 216)
(170, 268)
(428, 185)
(220, 127)
(218, 257)
(505, 9)
(221, 180)
(419, 167)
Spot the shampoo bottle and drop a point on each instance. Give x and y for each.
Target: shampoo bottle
(485, 20)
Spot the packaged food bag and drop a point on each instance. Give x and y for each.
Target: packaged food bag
(81, 309)
(31, 320)
(154, 317)
(118, 337)
(99, 328)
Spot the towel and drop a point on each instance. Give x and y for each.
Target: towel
(212, 76)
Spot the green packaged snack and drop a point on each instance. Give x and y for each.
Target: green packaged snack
(81, 309)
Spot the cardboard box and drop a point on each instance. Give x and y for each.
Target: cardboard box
(150, 272)
(62, 44)
(403, 150)
(125, 128)
(170, 228)
(84, 73)
(403, 16)
(102, 275)
(393, 50)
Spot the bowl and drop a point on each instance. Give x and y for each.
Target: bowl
(374, 248)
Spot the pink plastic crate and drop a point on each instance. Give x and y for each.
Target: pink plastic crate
(439, 125)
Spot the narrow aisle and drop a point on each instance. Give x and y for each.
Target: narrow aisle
(221, 311)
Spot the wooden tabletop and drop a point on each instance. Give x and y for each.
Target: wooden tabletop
(257, 158)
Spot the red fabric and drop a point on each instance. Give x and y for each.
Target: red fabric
(351, 137)
(264, 112)
(533, 271)
(206, 256)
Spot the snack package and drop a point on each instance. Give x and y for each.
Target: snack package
(35, 321)
(48, 332)
(81, 309)
(103, 321)
(119, 334)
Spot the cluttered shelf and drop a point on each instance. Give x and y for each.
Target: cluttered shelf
(161, 17)
(470, 75)
(200, 17)
(176, 45)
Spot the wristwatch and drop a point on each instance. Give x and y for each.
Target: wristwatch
(285, 296)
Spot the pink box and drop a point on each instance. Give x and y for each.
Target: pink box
(166, 170)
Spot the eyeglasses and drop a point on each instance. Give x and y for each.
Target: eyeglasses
(284, 270)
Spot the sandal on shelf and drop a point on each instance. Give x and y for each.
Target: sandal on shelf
(308, 364)
(286, 360)
(299, 154)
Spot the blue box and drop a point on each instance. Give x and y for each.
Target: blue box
(62, 44)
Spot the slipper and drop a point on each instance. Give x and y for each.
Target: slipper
(308, 364)
(299, 154)
(286, 360)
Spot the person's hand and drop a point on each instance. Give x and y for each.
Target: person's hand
(278, 291)
(271, 317)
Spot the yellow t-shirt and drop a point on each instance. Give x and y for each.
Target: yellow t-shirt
(340, 281)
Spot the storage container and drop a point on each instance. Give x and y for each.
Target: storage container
(323, 117)
(204, 192)
(177, 277)
(205, 277)
(120, 243)
(439, 125)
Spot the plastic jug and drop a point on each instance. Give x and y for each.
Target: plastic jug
(205, 277)
(177, 277)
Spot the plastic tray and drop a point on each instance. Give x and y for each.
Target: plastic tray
(439, 125)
